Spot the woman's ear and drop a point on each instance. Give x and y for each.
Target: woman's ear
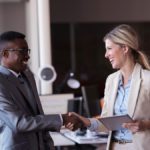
(125, 49)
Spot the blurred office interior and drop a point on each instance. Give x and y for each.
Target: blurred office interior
(76, 32)
(68, 35)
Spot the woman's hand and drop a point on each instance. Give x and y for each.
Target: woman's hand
(137, 126)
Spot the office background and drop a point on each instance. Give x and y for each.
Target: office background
(89, 22)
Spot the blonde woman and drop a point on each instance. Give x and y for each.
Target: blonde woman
(127, 91)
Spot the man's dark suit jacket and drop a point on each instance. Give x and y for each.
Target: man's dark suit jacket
(23, 127)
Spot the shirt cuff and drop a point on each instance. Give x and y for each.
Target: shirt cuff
(61, 119)
(94, 124)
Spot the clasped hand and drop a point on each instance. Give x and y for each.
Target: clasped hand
(71, 122)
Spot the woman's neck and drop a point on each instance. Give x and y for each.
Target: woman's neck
(126, 71)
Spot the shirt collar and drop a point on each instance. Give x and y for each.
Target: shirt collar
(121, 80)
(14, 73)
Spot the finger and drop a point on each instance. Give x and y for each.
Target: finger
(124, 125)
(70, 114)
(128, 125)
(69, 126)
(134, 130)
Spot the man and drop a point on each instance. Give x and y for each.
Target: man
(23, 126)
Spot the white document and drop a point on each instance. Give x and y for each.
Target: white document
(115, 122)
(85, 139)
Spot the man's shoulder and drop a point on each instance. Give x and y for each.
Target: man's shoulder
(4, 84)
(2, 76)
(28, 72)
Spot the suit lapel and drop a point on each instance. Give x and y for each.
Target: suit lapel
(24, 94)
(134, 89)
(32, 84)
(113, 93)
(15, 83)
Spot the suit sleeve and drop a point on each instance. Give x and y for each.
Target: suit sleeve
(19, 121)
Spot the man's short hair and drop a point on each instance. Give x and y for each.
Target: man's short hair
(9, 36)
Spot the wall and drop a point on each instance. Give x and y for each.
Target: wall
(100, 10)
(12, 17)
(1, 19)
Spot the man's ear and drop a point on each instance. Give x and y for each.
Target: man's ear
(5, 53)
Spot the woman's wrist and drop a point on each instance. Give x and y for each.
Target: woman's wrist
(86, 121)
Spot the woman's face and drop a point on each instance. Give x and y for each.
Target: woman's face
(115, 54)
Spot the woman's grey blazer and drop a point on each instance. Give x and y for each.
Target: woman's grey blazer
(22, 126)
(138, 104)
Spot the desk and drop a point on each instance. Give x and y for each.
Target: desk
(69, 138)
(60, 140)
(98, 142)
(86, 139)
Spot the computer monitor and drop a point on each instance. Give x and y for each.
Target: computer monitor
(91, 100)
(75, 105)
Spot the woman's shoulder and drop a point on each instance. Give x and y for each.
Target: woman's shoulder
(113, 75)
(145, 73)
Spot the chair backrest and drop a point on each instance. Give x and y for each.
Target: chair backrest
(91, 100)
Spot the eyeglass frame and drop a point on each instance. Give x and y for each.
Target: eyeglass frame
(19, 50)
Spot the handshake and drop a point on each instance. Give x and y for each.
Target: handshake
(73, 121)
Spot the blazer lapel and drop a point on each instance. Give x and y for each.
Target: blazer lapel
(113, 93)
(134, 89)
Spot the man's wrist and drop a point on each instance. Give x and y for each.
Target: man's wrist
(61, 118)
(64, 118)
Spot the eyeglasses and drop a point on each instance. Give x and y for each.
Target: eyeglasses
(21, 50)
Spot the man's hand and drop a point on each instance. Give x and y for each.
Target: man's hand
(82, 122)
(72, 122)
(86, 122)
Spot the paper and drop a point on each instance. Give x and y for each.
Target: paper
(115, 122)
(86, 139)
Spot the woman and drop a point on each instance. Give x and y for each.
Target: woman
(127, 91)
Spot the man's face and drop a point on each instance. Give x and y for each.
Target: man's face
(16, 55)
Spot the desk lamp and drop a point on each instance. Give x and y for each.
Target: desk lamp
(72, 82)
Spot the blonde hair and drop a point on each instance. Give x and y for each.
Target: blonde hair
(126, 35)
